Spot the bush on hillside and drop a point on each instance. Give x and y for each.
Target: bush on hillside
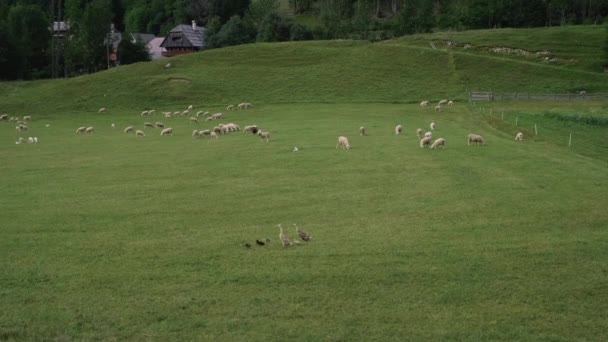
(235, 32)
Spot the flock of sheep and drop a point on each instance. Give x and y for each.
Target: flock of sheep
(21, 127)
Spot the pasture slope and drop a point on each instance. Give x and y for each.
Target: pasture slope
(108, 236)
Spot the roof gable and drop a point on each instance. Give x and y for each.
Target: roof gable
(185, 36)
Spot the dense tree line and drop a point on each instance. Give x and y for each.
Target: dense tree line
(28, 50)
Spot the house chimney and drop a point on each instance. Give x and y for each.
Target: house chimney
(194, 25)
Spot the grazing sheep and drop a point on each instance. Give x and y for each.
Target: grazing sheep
(343, 143)
(195, 133)
(190, 107)
(113, 125)
(208, 118)
(432, 125)
(144, 113)
(199, 113)
(426, 141)
(193, 119)
(20, 141)
(216, 116)
(176, 113)
(519, 136)
(214, 135)
(129, 129)
(428, 135)
(475, 138)
(101, 110)
(206, 113)
(361, 131)
(217, 129)
(419, 133)
(168, 116)
(80, 130)
(424, 103)
(245, 105)
(90, 129)
(160, 124)
(27, 118)
(230, 107)
(285, 240)
(398, 129)
(224, 129)
(35, 140)
(3, 117)
(151, 112)
(443, 102)
(264, 135)
(250, 128)
(438, 108)
(167, 131)
(30, 140)
(437, 143)
(185, 113)
(204, 132)
(21, 127)
(140, 133)
(148, 124)
(450, 103)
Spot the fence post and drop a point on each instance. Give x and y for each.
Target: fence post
(535, 131)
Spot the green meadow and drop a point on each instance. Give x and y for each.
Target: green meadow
(109, 236)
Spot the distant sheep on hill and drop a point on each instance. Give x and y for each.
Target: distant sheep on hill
(432, 125)
(519, 136)
(27, 118)
(438, 108)
(160, 124)
(450, 103)
(90, 129)
(424, 142)
(101, 110)
(264, 135)
(129, 129)
(245, 105)
(140, 133)
(230, 107)
(361, 131)
(167, 131)
(419, 133)
(193, 119)
(442, 102)
(475, 138)
(80, 130)
(148, 124)
(424, 103)
(398, 129)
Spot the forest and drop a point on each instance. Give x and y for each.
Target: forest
(30, 49)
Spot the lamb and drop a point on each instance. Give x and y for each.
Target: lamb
(398, 129)
(432, 125)
(160, 124)
(27, 118)
(437, 143)
(443, 102)
(264, 135)
(419, 133)
(167, 131)
(424, 103)
(450, 103)
(148, 124)
(80, 130)
(426, 141)
(230, 107)
(140, 133)
(129, 129)
(101, 110)
(343, 142)
(361, 131)
(90, 129)
(438, 108)
(428, 135)
(519, 136)
(193, 119)
(475, 138)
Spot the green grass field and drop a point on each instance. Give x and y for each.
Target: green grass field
(112, 237)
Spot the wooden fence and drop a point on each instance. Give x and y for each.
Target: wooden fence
(490, 96)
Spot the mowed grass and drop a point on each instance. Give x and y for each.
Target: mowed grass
(108, 236)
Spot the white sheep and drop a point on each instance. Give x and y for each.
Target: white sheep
(3, 117)
(230, 107)
(428, 134)
(442, 102)
(35, 140)
(20, 141)
(80, 130)
(216, 116)
(398, 129)
(264, 135)
(214, 135)
(361, 131)
(90, 129)
(113, 125)
(129, 129)
(426, 141)
(343, 143)
(519, 136)
(195, 133)
(437, 143)
(193, 119)
(27, 118)
(144, 113)
(101, 110)
(167, 131)
(432, 125)
(199, 113)
(21, 127)
(190, 107)
(30, 140)
(204, 132)
(185, 113)
(250, 129)
(475, 138)
(160, 124)
(419, 133)
(438, 108)
(245, 105)
(450, 103)
(140, 133)
(424, 103)
(148, 124)
(151, 112)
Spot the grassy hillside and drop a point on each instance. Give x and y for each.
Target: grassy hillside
(108, 236)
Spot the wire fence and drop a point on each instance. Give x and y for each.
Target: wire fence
(491, 96)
